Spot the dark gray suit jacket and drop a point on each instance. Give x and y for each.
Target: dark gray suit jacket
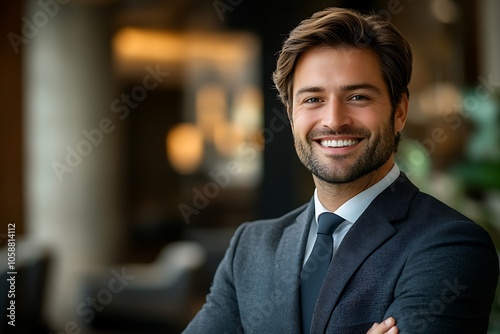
(408, 256)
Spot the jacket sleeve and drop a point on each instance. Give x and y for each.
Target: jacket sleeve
(448, 282)
(220, 314)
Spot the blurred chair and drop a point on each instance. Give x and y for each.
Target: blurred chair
(31, 266)
(161, 298)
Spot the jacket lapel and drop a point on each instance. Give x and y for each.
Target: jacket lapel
(289, 258)
(370, 231)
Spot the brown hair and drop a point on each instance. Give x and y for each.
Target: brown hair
(336, 27)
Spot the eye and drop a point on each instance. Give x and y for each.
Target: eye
(359, 98)
(312, 100)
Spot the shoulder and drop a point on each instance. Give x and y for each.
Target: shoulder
(273, 228)
(266, 234)
(403, 199)
(437, 226)
(425, 218)
(282, 221)
(436, 216)
(427, 206)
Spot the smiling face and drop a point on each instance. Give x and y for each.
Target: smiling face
(342, 121)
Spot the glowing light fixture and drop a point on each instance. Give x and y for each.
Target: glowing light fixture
(185, 148)
(166, 46)
(227, 138)
(211, 108)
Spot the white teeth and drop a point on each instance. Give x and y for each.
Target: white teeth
(339, 143)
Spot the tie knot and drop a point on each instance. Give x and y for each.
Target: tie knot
(328, 223)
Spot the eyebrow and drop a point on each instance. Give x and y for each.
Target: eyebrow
(363, 85)
(309, 89)
(344, 88)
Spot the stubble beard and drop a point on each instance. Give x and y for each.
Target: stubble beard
(376, 152)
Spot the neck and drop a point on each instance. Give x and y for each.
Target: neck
(334, 195)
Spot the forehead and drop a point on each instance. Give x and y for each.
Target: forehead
(333, 67)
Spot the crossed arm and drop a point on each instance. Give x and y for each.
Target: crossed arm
(386, 327)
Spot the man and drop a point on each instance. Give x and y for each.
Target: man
(398, 254)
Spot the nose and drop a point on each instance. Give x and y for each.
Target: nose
(335, 115)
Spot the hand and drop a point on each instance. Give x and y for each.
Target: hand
(386, 327)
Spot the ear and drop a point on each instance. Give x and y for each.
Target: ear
(401, 113)
(289, 111)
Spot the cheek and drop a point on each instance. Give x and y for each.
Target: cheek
(373, 122)
(301, 125)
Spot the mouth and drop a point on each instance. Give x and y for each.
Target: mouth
(338, 142)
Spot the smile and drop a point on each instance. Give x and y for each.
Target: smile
(339, 143)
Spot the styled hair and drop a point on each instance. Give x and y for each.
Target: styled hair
(334, 27)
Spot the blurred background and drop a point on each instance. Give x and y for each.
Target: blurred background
(137, 135)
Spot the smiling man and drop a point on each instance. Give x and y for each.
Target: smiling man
(342, 120)
(369, 245)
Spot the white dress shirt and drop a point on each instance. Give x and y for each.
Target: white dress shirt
(350, 211)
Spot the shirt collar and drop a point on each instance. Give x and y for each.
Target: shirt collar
(354, 207)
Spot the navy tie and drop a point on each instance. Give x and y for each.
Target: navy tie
(315, 268)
